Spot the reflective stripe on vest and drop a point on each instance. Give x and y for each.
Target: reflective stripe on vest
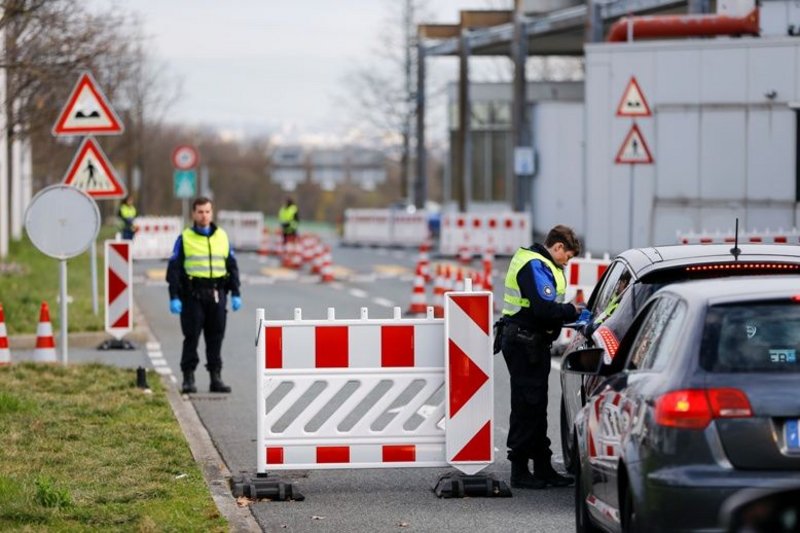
(205, 257)
(513, 301)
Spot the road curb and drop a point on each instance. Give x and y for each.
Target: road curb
(215, 471)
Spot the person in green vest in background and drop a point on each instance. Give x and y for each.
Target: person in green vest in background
(127, 214)
(200, 274)
(289, 218)
(533, 314)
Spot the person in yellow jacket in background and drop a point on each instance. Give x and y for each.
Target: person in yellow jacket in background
(127, 214)
(201, 272)
(289, 218)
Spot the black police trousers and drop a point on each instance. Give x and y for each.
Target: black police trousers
(529, 369)
(203, 315)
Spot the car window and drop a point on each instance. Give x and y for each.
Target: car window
(650, 334)
(757, 337)
(610, 293)
(665, 348)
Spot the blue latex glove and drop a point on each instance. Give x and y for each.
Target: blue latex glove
(236, 302)
(584, 317)
(175, 306)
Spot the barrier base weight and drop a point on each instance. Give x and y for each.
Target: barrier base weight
(264, 488)
(116, 344)
(459, 485)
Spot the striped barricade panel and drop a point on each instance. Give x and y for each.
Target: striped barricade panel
(350, 393)
(155, 237)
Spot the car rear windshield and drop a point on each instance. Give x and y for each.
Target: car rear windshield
(760, 337)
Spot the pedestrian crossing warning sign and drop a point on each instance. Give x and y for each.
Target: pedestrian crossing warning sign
(634, 149)
(633, 103)
(87, 111)
(91, 172)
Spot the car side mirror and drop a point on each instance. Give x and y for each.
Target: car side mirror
(767, 510)
(586, 361)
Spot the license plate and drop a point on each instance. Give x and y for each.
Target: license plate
(790, 431)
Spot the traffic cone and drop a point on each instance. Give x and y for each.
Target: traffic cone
(477, 281)
(5, 353)
(265, 247)
(464, 255)
(424, 260)
(438, 292)
(288, 252)
(418, 306)
(459, 286)
(327, 267)
(579, 298)
(45, 351)
(488, 260)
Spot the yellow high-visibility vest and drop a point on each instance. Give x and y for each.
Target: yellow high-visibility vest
(205, 256)
(513, 301)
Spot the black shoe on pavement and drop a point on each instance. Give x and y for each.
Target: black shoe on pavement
(550, 477)
(188, 386)
(521, 477)
(216, 383)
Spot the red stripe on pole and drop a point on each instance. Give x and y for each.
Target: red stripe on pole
(574, 270)
(479, 446)
(333, 454)
(332, 347)
(465, 378)
(122, 249)
(477, 308)
(273, 347)
(400, 453)
(115, 286)
(275, 456)
(397, 346)
(123, 321)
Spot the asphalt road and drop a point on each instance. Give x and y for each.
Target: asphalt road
(345, 500)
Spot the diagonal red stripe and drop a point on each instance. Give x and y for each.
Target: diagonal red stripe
(115, 286)
(122, 249)
(465, 378)
(122, 322)
(479, 446)
(476, 307)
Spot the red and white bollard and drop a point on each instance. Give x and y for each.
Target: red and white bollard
(418, 306)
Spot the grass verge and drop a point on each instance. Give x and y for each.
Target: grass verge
(28, 277)
(83, 449)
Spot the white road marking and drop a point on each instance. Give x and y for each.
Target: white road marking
(158, 362)
(358, 293)
(383, 301)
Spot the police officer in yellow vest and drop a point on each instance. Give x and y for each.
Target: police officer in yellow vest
(289, 218)
(201, 272)
(127, 214)
(533, 314)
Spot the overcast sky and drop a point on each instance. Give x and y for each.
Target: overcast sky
(271, 64)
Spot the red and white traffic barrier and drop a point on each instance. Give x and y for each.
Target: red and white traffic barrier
(352, 358)
(155, 237)
(244, 228)
(586, 271)
(505, 232)
(385, 227)
(45, 351)
(5, 353)
(118, 292)
(745, 237)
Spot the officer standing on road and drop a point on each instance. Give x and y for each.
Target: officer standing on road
(201, 271)
(127, 214)
(289, 218)
(532, 318)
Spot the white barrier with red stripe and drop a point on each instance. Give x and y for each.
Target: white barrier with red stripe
(745, 237)
(155, 237)
(244, 228)
(385, 227)
(583, 274)
(368, 391)
(505, 232)
(119, 293)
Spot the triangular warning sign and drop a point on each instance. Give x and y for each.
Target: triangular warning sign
(634, 149)
(465, 378)
(87, 111)
(633, 102)
(91, 172)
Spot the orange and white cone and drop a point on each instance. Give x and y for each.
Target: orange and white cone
(488, 259)
(418, 306)
(327, 267)
(477, 281)
(579, 297)
(5, 353)
(265, 247)
(45, 351)
(459, 286)
(424, 260)
(464, 255)
(438, 292)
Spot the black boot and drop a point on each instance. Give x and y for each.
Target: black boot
(549, 476)
(521, 477)
(188, 386)
(216, 382)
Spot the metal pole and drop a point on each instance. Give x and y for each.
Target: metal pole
(184, 210)
(421, 184)
(63, 283)
(630, 210)
(521, 125)
(261, 467)
(93, 260)
(465, 123)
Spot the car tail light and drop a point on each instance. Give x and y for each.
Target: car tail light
(605, 337)
(695, 408)
(764, 267)
(796, 298)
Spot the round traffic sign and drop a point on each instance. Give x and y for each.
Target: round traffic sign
(185, 157)
(62, 221)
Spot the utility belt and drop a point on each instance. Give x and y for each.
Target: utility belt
(534, 343)
(207, 289)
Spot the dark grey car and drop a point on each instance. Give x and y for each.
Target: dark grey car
(701, 400)
(632, 277)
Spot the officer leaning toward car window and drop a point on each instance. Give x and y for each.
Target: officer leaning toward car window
(201, 271)
(533, 314)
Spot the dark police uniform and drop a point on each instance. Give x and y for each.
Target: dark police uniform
(533, 316)
(201, 271)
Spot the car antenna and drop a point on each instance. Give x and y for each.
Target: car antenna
(736, 250)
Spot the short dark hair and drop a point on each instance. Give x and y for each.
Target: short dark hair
(200, 200)
(566, 236)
